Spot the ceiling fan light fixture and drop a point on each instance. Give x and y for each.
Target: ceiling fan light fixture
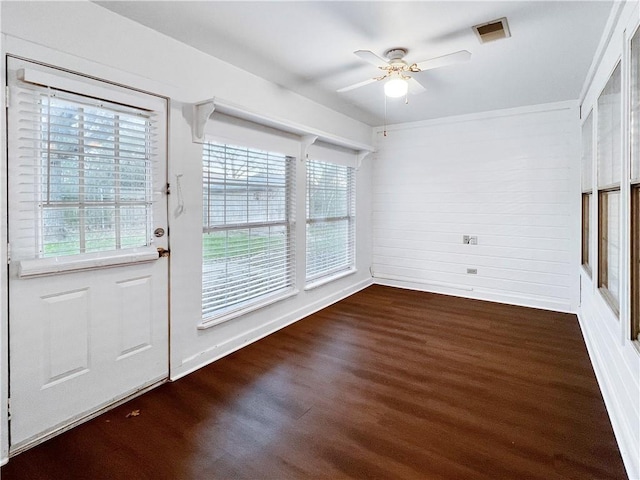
(396, 87)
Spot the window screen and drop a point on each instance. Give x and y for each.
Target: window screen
(248, 240)
(85, 174)
(330, 219)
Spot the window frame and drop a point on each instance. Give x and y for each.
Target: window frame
(587, 202)
(249, 303)
(28, 83)
(341, 270)
(587, 164)
(84, 159)
(634, 187)
(609, 142)
(604, 246)
(635, 262)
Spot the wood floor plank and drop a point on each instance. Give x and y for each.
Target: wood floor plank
(388, 383)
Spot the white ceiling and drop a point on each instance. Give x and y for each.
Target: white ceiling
(308, 47)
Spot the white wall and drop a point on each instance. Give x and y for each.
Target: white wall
(84, 37)
(513, 179)
(191, 348)
(616, 359)
(510, 177)
(507, 177)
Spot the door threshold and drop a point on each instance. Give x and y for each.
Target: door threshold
(13, 451)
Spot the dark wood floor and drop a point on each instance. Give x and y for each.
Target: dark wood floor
(385, 384)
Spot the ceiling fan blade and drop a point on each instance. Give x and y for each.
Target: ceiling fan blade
(415, 87)
(357, 85)
(444, 60)
(369, 56)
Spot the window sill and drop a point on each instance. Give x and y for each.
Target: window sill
(213, 321)
(324, 280)
(40, 267)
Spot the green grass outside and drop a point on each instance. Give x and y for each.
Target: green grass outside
(102, 244)
(237, 244)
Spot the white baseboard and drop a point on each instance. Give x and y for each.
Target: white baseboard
(466, 291)
(232, 344)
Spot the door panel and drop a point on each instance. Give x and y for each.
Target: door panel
(66, 317)
(90, 335)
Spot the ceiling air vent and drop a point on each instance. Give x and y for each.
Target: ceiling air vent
(494, 30)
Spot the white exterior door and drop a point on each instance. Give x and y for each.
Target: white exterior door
(88, 292)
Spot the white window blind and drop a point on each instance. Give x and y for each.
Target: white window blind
(610, 132)
(248, 232)
(587, 154)
(84, 170)
(330, 219)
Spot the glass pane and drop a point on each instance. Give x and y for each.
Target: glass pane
(635, 106)
(60, 231)
(610, 131)
(247, 246)
(243, 186)
(635, 262)
(94, 178)
(330, 215)
(587, 153)
(586, 230)
(610, 244)
(328, 247)
(241, 265)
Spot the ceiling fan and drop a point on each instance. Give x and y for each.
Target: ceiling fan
(398, 71)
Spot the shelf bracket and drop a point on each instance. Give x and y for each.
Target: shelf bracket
(306, 142)
(362, 154)
(201, 113)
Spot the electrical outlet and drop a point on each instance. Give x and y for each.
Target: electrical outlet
(472, 271)
(465, 239)
(473, 240)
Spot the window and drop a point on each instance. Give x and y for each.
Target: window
(330, 220)
(635, 186)
(609, 212)
(587, 186)
(86, 170)
(635, 261)
(586, 213)
(609, 164)
(247, 241)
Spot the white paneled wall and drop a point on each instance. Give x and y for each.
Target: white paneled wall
(615, 357)
(507, 178)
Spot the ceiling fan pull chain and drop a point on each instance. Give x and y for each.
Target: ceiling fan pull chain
(385, 116)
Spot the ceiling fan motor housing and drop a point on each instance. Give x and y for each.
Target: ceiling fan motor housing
(396, 62)
(395, 53)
